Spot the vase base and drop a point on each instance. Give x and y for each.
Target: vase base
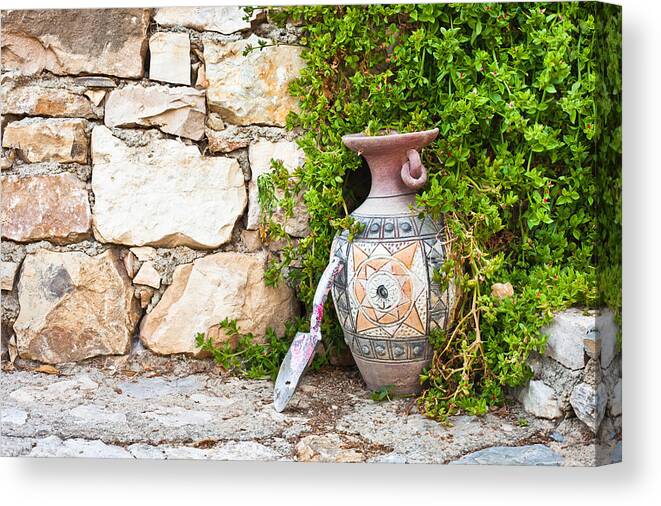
(398, 378)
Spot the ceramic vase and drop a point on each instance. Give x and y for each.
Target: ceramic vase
(385, 296)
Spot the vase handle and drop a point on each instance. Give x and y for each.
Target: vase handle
(414, 173)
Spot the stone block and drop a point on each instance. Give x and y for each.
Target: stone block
(225, 19)
(540, 400)
(48, 139)
(74, 306)
(8, 275)
(36, 99)
(565, 337)
(169, 58)
(75, 41)
(178, 111)
(251, 89)
(608, 331)
(589, 404)
(164, 193)
(212, 288)
(45, 207)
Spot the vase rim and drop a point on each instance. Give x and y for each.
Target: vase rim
(369, 144)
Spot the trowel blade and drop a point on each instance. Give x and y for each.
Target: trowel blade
(299, 356)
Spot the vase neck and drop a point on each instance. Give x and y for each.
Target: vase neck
(386, 171)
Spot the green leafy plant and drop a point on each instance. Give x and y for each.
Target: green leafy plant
(526, 170)
(244, 355)
(383, 394)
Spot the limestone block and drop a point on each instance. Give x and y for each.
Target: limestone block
(608, 331)
(74, 306)
(565, 337)
(144, 253)
(178, 111)
(540, 400)
(169, 59)
(531, 455)
(48, 139)
(131, 264)
(589, 404)
(8, 274)
(75, 41)
(226, 19)
(163, 194)
(95, 96)
(45, 207)
(212, 288)
(148, 276)
(326, 448)
(251, 89)
(41, 100)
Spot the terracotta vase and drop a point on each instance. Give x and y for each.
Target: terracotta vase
(385, 297)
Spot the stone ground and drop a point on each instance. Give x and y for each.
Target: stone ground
(148, 407)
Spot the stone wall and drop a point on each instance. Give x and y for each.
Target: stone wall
(131, 143)
(578, 379)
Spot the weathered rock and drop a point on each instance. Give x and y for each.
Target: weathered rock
(48, 140)
(53, 446)
(226, 19)
(178, 111)
(608, 331)
(148, 276)
(169, 59)
(74, 306)
(260, 155)
(559, 377)
(144, 294)
(251, 89)
(592, 343)
(615, 400)
(565, 337)
(13, 416)
(144, 253)
(201, 81)
(7, 275)
(131, 264)
(592, 374)
(244, 450)
(532, 455)
(502, 290)
(95, 96)
(540, 400)
(41, 100)
(326, 448)
(47, 207)
(215, 122)
(7, 159)
(251, 240)
(589, 404)
(163, 194)
(215, 287)
(75, 41)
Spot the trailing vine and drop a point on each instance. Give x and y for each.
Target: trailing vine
(527, 103)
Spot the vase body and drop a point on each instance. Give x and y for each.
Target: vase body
(385, 297)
